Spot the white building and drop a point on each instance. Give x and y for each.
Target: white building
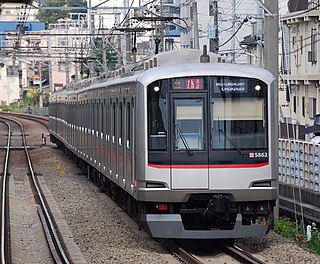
(301, 66)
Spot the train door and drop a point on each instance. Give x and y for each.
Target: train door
(189, 143)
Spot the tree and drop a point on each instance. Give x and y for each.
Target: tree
(111, 55)
(53, 15)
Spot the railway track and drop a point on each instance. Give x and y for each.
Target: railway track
(40, 119)
(23, 213)
(187, 254)
(4, 238)
(240, 254)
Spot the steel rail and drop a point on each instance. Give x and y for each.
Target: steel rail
(188, 256)
(4, 204)
(177, 252)
(55, 245)
(39, 119)
(241, 254)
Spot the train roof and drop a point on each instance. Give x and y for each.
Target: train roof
(178, 63)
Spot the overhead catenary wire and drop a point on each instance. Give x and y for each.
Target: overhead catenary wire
(242, 23)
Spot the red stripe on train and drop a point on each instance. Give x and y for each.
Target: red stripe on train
(211, 166)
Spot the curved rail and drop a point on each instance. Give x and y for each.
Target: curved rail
(4, 202)
(53, 239)
(39, 119)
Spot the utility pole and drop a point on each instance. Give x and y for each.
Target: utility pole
(185, 34)
(50, 65)
(91, 33)
(271, 37)
(233, 40)
(271, 63)
(126, 15)
(214, 36)
(67, 64)
(195, 44)
(259, 36)
(40, 87)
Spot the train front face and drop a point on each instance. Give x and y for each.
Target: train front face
(209, 158)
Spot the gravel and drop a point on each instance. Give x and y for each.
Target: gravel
(105, 234)
(102, 230)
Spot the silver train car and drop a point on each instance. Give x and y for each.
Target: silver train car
(188, 148)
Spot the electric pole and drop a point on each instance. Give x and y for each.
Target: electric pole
(214, 33)
(271, 37)
(259, 37)
(233, 40)
(271, 63)
(195, 44)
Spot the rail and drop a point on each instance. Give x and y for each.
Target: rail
(54, 243)
(4, 203)
(240, 254)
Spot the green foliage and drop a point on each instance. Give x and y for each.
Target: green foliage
(111, 55)
(314, 243)
(288, 229)
(285, 228)
(53, 15)
(13, 107)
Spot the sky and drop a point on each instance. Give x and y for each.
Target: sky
(243, 6)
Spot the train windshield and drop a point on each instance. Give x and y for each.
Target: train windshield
(238, 114)
(223, 113)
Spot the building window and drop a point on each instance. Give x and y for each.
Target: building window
(303, 107)
(12, 71)
(312, 107)
(295, 104)
(312, 55)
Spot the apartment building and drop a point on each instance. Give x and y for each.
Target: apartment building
(300, 65)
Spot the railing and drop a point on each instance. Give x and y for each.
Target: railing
(38, 111)
(299, 163)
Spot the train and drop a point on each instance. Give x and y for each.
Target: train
(185, 143)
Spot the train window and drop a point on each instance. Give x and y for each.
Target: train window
(128, 128)
(157, 116)
(114, 123)
(120, 123)
(238, 114)
(189, 124)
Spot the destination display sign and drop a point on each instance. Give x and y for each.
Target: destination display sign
(187, 84)
(230, 85)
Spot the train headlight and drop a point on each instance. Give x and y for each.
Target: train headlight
(156, 88)
(262, 184)
(155, 185)
(257, 87)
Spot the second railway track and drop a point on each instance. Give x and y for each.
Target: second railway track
(28, 233)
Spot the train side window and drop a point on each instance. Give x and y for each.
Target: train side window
(98, 117)
(120, 123)
(157, 116)
(108, 121)
(128, 131)
(114, 120)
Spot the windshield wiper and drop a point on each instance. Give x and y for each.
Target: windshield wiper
(231, 141)
(184, 141)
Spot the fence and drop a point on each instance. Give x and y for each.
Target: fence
(299, 163)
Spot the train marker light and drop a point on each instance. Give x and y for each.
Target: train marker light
(156, 88)
(163, 207)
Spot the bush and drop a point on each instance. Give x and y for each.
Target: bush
(286, 228)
